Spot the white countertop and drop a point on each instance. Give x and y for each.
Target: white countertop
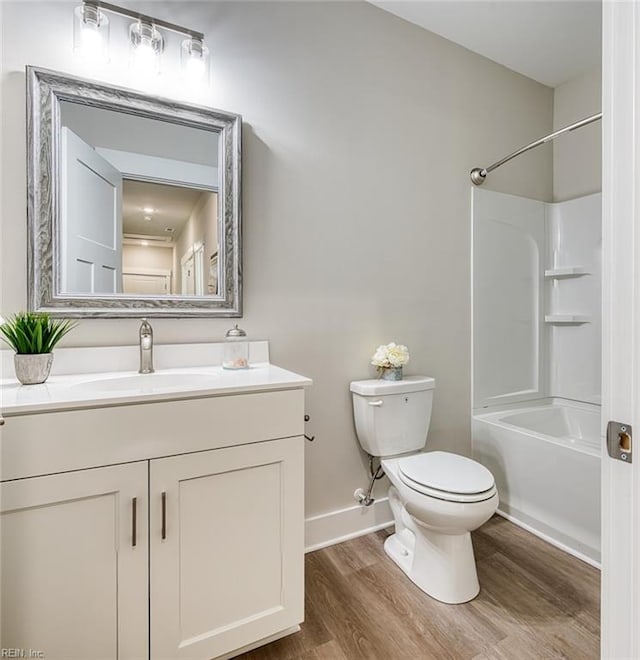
(97, 390)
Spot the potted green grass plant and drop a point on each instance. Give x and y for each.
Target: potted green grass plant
(33, 335)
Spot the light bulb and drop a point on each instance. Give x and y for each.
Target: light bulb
(145, 58)
(92, 44)
(195, 68)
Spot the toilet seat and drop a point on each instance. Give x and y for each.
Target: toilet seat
(447, 476)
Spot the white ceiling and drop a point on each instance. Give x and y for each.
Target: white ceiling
(551, 41)
(172, 206)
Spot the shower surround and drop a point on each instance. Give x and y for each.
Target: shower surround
(536, 362)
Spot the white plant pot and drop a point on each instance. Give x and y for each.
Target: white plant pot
(32, 369)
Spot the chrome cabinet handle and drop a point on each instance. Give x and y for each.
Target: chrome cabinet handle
(134, 522)
(164, 515)
(375, 404)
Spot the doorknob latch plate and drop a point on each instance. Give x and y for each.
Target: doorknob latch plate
(619, 441)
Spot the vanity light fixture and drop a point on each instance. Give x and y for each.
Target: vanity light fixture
(195, 59)
(147, 45)
(91, 33)
(91, 37)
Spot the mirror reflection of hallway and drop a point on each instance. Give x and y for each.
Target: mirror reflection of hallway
(167, 230)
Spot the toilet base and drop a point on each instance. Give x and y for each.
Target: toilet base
(443, 566)
(399, 547)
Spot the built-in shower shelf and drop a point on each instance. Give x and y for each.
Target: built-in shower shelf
(559, 319)
(566, 271)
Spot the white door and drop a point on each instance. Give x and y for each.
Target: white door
(188, 286)
(621, 326)
(74, 585)
(227, 548)
(198, 269)
(91, 220)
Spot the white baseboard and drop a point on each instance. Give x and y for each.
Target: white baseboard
(344, 524)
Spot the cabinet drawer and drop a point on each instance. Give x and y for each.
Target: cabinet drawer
(71, 440)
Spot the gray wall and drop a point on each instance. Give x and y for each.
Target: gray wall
(360, 130)
(577, 156)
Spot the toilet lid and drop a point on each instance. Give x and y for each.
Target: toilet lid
(446, 472)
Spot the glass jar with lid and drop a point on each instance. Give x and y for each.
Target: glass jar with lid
(235, 354)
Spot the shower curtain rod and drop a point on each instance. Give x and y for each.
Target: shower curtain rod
(479, 174)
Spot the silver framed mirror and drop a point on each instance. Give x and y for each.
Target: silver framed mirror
(134, 203)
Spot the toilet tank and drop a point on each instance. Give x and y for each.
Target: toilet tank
(392, 417)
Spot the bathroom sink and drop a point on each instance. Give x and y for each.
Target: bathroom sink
(148, 383)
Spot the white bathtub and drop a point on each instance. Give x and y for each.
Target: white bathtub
(546, 462)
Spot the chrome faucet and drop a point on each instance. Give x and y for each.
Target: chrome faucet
(146, 348)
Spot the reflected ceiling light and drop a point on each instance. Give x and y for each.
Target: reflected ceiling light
(148, 209)
(91, 35)
(145, 243)
(147, 218)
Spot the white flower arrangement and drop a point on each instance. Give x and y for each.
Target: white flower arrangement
(390, 356)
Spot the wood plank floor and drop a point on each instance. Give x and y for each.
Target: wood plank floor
(536, 602)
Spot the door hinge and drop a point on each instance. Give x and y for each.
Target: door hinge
(619, 441)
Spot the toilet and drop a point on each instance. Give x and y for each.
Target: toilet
(437, 498)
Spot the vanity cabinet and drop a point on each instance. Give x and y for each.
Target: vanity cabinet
(73, 583)
(185, 553)
(226, 548)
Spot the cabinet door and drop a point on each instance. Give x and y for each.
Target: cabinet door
(74, 585)
(227, 564)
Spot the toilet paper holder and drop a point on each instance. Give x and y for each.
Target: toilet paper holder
(306, 437)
